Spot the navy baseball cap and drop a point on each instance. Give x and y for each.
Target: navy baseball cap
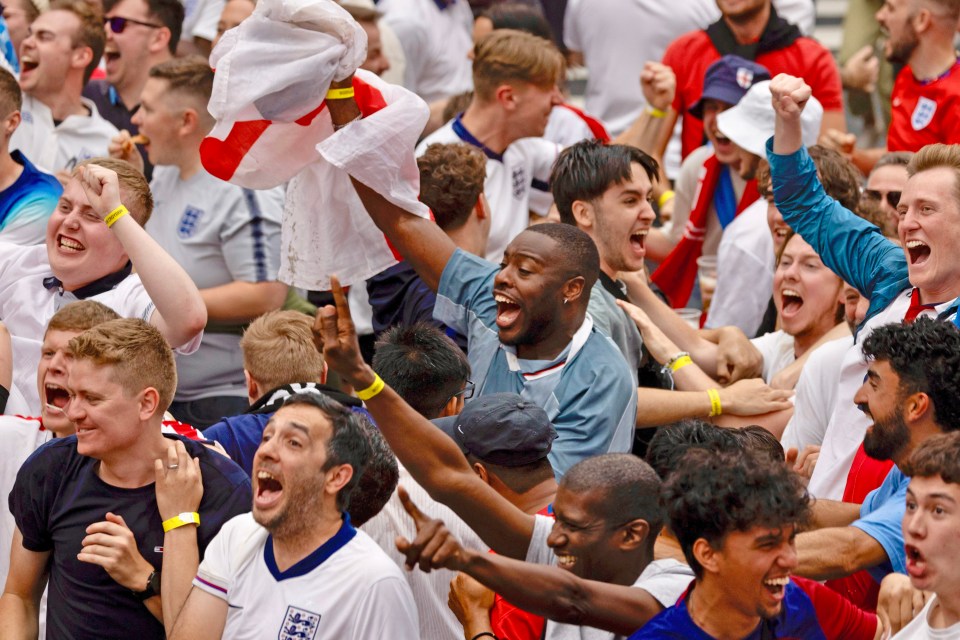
(728, 80)
(502, 429)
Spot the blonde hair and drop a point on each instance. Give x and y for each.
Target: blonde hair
(91, 32)
(134, 188)
(80, 316)
(278, 349)
(935, 156)
(507, 55)
(138, 353)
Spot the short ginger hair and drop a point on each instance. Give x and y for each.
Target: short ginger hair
(278, 349)
(507, 55)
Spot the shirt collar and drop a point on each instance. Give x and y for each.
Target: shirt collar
(98, 286)
(469, 138)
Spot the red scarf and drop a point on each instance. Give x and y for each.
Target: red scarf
(677, 273)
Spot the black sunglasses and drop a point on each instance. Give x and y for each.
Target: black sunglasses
(892, 197)
(117, 24)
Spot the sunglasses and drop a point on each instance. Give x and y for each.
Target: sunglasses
(892, 197)
(117, 24)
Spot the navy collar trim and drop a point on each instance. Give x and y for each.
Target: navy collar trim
(468, 137)
(443, 4)
(98, 286)
(316, 558)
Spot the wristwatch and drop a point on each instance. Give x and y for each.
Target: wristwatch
(153, 587)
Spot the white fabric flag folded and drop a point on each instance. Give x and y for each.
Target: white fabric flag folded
(272, 74)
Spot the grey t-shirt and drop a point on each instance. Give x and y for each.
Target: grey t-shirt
(219, 233)
(665, 580)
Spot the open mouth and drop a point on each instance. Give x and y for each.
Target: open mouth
(638, 241)
(69, 244)
(55, 397)
(566, 561)
(777, 586)
(508, 311)
(28, 65)
(916, 564)
(792, 301)
(269, 489)
(918, 251)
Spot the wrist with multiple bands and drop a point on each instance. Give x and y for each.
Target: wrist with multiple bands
(375, 388)
(715, 407)
(181, 519)
(115, 215)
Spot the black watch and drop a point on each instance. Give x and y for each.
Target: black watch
(153, 588)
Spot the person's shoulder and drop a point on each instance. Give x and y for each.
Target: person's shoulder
(809, 46)
(58, 453)
(371, 560)
(680, 49)
(672, 622)
(216, 468)
(444, 135)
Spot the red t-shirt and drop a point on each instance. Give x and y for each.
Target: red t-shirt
(691, 54)
(921, 112)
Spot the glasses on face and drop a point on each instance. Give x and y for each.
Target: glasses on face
(466, 392)
(892, 197)
(118, 24)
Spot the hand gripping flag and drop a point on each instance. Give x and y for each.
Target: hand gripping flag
(273, 127)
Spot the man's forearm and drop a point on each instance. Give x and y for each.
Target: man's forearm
(645, 132)
(181, 558)
(836, 552)
(21, 619)
(240, 301)
(559, 595)
(657, 407)
(833, 513)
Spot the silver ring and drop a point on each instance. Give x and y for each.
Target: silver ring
(172, 466)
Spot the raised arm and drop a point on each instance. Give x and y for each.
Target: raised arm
(659, 88)
(431, 456)
(420, 241)
(540, 589)
(180, 313)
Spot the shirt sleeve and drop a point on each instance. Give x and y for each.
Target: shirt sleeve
(668, 580)
(251, 237)
(882, 520)
(30, 500)
(824, 78)
(213, 575)
(838, 617)
(465, 294)
(539, 552)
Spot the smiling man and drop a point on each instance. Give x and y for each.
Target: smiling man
(83, 258)
(295, 566)
(95, 511)
(743, 555)
(920, 277)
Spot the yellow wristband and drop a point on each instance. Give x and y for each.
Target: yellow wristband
(665, 197)
(656, 113)
(680, 363)
(181, 519)
(115, 215)
(715, 408)
(372, 390)
(340, 94)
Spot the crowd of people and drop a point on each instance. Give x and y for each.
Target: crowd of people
(333, 319)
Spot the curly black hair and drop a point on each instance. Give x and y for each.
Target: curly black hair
(712, 494)
(926, 357)
(670, 444)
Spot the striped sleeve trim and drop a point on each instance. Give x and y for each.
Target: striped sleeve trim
(210, 587)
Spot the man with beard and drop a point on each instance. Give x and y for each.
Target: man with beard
(927, 90)
(295, 566)
(910, 393)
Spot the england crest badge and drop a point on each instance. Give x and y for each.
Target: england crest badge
(299, 624)
(744, 77)
(188, 222)
(923, 113)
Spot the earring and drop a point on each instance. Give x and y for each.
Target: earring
(565, 301)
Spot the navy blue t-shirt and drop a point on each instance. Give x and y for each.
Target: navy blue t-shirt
(58, 494)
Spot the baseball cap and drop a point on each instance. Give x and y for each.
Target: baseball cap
(751, 122)
(727, 80)
(502, 429)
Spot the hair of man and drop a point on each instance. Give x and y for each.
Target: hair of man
(451, 181)
(422, 365)
(630, 486)
(670, 444)
(925, 356)
(169, 13)
(90, 33)
(712, 494)
(934, 156)
(893, 159)
(508, 56)
(936, 456)
(137, 352)
(11, 97)
(189, 77)
(348, 442)
(519, 479)
(379, 479)
(586, 170)
(80, 316)
(759, 440)
(520, 17)
(134, 188)
(575, 253)
(278, 349)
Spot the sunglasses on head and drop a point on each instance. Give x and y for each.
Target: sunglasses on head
(892, 197)
(118, 24)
